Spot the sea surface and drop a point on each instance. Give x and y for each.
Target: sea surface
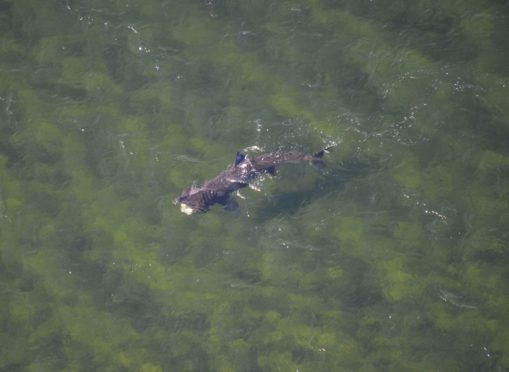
(394, 256)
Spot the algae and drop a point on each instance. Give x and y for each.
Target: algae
(392, 257)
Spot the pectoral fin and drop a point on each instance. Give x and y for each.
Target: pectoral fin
(231, 205)
(271, 171)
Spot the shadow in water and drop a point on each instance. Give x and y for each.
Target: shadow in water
(332, 180)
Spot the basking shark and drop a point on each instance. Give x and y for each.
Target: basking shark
(244, 170)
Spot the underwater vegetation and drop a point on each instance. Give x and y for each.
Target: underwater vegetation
(392, 257)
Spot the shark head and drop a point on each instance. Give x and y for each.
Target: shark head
(199, 199)
(192, 200)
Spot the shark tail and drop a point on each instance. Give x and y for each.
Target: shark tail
(317, 157)
(322, 152)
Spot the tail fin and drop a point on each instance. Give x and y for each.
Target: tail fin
(317, 157)
(322, 152)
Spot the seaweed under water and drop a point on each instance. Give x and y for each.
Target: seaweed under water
(392, 257)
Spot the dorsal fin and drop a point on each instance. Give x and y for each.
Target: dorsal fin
(239, 158)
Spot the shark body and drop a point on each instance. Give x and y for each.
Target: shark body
(218, 190)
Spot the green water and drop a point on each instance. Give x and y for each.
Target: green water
(394, 257)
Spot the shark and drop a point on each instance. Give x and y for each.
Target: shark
(244, 170)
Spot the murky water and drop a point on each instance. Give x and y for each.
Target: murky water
(392, 257)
